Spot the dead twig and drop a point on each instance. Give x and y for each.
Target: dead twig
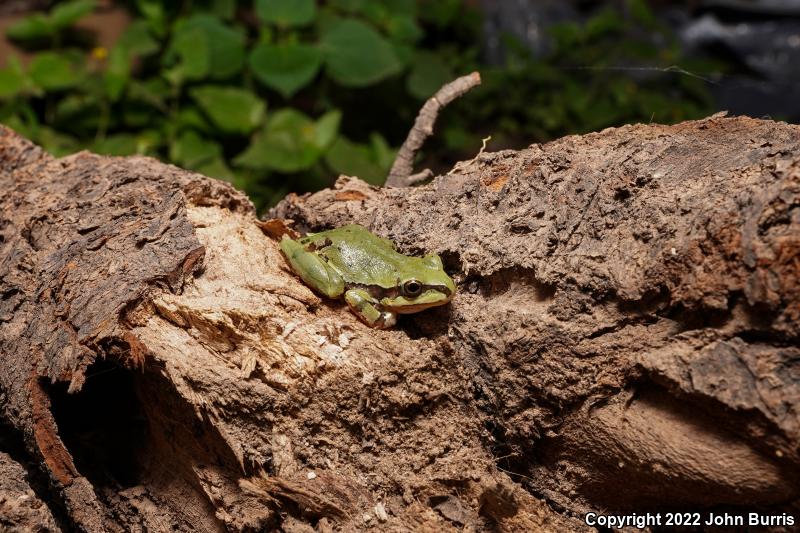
(401, 173)
(464, 164)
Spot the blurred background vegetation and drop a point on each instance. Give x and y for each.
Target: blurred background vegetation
(283, 95)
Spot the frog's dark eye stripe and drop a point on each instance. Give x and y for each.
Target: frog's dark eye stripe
(412, 288)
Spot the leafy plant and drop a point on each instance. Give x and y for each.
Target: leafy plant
(281, 95)
(50, 27)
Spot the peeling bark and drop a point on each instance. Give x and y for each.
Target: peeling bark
(625, 337)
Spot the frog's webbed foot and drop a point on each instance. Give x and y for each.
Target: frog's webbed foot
(363, 306)
(314, 271)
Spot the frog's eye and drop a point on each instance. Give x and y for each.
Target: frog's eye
(412, 287)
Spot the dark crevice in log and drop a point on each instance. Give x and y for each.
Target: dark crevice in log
(181, 443)
(102, 426)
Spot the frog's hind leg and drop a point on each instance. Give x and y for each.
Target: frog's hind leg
(314, 271)
(363, 305)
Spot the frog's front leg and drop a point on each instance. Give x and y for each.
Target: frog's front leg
(312, 269)
(365, 307)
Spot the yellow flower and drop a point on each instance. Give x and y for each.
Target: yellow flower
(99, 53)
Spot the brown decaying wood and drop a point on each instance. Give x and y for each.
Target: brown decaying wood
(21, 509)
(401, 173)
(625, 337)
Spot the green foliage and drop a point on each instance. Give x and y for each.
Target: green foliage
(290, 142)
(356, 55)
(286, 12)
(12, 79)
(282, 95)
(202, 47)
(428, 73)
(369, 162)
(53, 71)
(230, 109)
(287, 67)
(50, 26)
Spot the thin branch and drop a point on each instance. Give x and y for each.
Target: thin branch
(463, 164)
(401, 174)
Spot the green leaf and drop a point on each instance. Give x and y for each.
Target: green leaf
(641, 12)
(381, 12)
(352, 6)
(134, 117)
(456, 138)
(154, 14)
(442, 13)
(190, 150)
(206, 48)
(398, 7)
(227, 53)
(428, 74)
(137, 40)
(606, 22)
(216, 168)
(118, 144)
(192, 47)
(55, 142)
(327, 128)
(152, 92)
(285, 67)
(148, 140)
(74, 104)
(67, 13)
(376, 12)
(286, 12)
(24, 118)
(403, 51)
(232, 109)
(53, 71)
(31, 28)
(20, 125)
(266, 35)
(287, 144)
(383, 154)
(189, 117)
(117, 72)
(12, 79)
(224, 9)
(356, 55)
(566, 35)
(352, 159)
(404, 28)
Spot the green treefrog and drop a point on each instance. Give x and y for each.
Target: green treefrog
(376, 281)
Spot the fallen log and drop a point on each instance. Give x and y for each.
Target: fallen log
(624, 339)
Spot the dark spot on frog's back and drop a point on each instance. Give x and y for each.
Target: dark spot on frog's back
(312, 246)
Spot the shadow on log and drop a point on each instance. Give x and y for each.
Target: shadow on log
(624, 339)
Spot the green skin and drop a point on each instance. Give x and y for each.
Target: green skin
(376, 281)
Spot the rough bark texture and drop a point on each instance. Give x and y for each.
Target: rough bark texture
(20, 508)
(625, 337)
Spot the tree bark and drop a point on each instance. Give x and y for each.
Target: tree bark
(624, 339)
(20, 508)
